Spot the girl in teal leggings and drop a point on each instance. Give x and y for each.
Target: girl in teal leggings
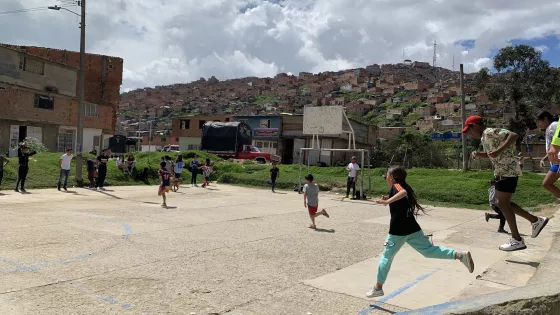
(404, 229)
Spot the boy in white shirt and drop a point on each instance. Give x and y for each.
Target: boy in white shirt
(65, 163)
(352, 170)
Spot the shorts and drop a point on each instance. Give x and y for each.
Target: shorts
(506, 184)
(164, 189)
(207, 178)
(312, 209)
(177, 175)
(554, 168)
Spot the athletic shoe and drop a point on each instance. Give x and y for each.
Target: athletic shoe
(487, 217)
(346, 196)
(312, 226)
(23, 190)
(467, 260)
(539, 226)
(375, 292)
(513, 245)
(65, 189)
(164, 204)
(502, 231)
(16, 190)
(325, 213)
(58, 187)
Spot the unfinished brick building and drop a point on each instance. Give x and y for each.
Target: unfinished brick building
(56, 127)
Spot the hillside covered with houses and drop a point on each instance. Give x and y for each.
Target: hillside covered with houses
(407, 95)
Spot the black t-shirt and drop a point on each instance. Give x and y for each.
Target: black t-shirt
(103, 159)
(274, 172)
(403, 221)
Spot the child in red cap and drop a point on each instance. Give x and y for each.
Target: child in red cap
(498, 145)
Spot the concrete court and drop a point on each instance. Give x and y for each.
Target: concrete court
(232, 250)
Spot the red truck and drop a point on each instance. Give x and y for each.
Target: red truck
(233, 140)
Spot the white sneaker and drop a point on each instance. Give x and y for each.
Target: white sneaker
(539, 226)
(513, 245)
(467, 260)
(375, 292)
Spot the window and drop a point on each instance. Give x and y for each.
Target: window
(265, 123)
(91, 110)
(44, 102)
(185, 124)
(227, 119)
(266, 144)
(259, 144)
(32, 65)
(201, 123)
(274, 145)
(244, 121)
(96, 141)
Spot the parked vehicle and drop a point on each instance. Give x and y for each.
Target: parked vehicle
(170, 148)
(233, 140)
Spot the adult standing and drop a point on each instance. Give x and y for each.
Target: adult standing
(102, 168)
(23, 167)
(195, 164)
(65, 163)
(352, 170)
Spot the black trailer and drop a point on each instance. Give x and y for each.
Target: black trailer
(225, 137)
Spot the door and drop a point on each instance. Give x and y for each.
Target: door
(22, 133)
(14, 140)
(298, 144)
(65, 140)
(287, 151)
(35, 132)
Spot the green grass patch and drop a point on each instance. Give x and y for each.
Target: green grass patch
(433, 186)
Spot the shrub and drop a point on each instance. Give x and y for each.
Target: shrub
(35, 145)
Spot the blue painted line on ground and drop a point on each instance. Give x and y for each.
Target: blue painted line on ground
(101, 296)
(440, 308)
(397, 292)
(37, 267)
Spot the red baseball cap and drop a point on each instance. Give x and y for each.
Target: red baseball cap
(471, 120)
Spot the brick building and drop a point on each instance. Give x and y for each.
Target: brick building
(40, 89)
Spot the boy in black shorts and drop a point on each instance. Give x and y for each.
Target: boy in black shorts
(499, 146)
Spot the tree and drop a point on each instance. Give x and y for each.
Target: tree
(528, 82)
(481, 78)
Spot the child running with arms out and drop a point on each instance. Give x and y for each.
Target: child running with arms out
(165, 182)
(311, 200)
(404, 229)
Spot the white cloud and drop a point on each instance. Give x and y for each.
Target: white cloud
(542, 48)
(170, 41)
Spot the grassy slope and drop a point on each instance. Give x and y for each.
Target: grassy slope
(433, 186)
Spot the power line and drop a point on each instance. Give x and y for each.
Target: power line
(26, 10)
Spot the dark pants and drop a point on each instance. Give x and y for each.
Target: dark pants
(351, 184)
(64, 173)
(101, 175)
(22, 175)
(193, 176)
(273, 182)
(91, 177)
(499, 216)
(1, 177)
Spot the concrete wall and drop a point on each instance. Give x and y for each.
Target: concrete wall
(19, 104)
(49, 133)
(61, 77)
(194, 122)
(89, 134)
(185, 142)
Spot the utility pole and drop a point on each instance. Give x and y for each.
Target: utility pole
(81, 105)
(463, 118)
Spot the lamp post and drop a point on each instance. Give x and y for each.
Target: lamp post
(81, 86)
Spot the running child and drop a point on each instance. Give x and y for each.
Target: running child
(311, 200)
(499, 145)
(207, 171)
(165, 182)
(499, 215)
(404, 229)
(179, 165)
(545, 120)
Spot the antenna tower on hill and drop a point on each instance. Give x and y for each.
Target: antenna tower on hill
(435, 55)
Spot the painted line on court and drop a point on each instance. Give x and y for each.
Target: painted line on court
(23, 267)
(397, 292)
(101, 296)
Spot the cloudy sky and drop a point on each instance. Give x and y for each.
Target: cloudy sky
(174, 41)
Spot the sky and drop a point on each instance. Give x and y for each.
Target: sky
(177, 41)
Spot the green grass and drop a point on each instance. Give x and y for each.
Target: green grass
(433, 186)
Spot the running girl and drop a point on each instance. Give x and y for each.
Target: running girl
(404, 229)
(207, 170)
(165, 182)
(179, 164)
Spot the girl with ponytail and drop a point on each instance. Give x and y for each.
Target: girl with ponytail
(403, 229)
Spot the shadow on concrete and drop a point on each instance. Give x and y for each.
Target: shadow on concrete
(151, 203)
(170, 207)
(280, 193)
(71, 192)
(324, 230)
(374, 307)
(528, 263)
(105, 192)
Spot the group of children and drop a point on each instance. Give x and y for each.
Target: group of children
(170, 174)
(498, 146)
